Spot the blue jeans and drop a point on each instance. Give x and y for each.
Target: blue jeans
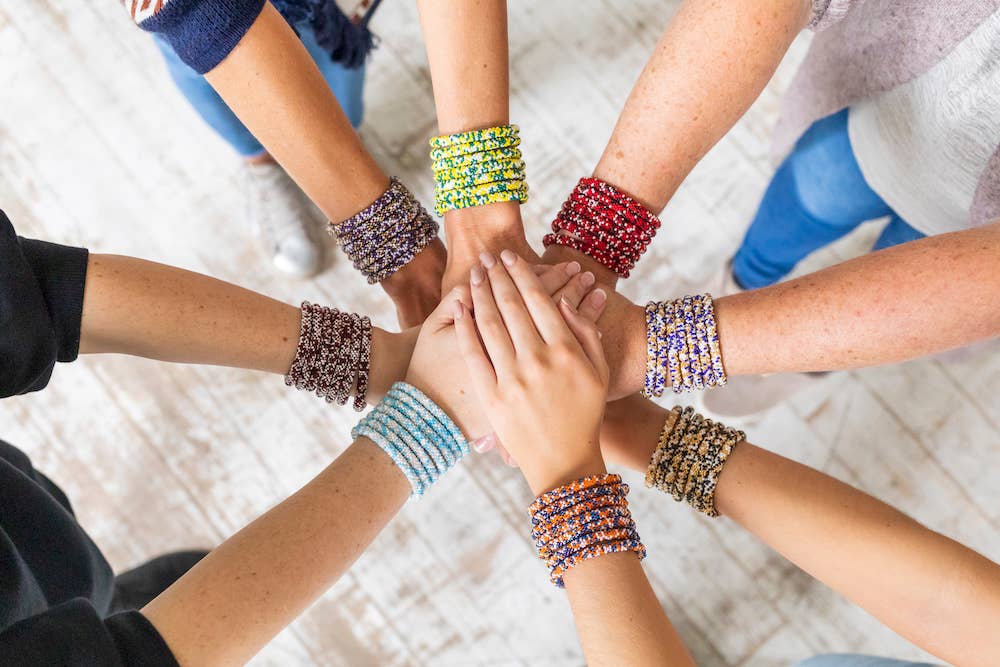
(347, 85)
(817, 196)
(853, 660)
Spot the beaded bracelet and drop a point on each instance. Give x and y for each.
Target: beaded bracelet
(604, 223)
(477, 168)
(417, 435)
(682, 344)
(333, 355)
(387, 234)
(580, 520)
(689, 457)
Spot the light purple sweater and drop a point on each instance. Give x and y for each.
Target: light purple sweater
(865, 47)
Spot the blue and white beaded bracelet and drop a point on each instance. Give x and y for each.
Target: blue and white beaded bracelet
(419, 437)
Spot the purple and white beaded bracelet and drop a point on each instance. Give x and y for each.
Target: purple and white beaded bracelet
(387, 234)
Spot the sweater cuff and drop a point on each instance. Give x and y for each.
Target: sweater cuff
(61, 272)
(825, 13)
(203, 32)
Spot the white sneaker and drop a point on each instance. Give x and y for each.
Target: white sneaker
(281, 220)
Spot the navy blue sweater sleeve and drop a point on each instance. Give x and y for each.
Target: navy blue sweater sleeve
(73, 633)
(41, 304)
(201, 32)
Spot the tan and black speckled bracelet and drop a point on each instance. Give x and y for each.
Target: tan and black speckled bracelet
(689, 458)
(333, 355)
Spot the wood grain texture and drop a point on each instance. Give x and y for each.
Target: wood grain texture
(98, 149)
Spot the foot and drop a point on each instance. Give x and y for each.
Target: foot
(137, 587)
(281, 220)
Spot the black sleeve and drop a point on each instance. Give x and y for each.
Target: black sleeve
(73, 634)
(41, 303)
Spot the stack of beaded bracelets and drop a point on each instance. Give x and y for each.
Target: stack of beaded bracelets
(417, 435)
(682, 343)
(605, 224)
(689, 458)
(478, 167)
(580, 520)
(333, 355)
(385, 236)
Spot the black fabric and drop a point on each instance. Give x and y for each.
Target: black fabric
(41, 303)
(56, 586)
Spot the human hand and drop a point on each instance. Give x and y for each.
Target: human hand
(537, 369)
(415, 289)
(480, 229)
(623, 325)
(436, 367)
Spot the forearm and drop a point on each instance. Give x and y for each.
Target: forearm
(243, 593)
(618, 617)
(916, 299)
(468, 55)
(709, 66)
(936, 592)
(272, 84)
(132, 306)
(932, 590)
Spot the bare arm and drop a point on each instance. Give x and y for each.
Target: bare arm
(270, 82)
(618, 617)
(467, 50)
(255, 583)
(937, 593)
(132, 306)
(709, 66)
(904, 302)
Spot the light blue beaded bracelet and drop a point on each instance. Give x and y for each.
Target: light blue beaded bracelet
(416, 434)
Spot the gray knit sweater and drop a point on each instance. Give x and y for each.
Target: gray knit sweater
(864, 47)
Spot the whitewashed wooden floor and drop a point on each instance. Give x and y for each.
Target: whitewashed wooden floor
(97, 149)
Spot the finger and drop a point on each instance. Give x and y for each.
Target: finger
(555, 276)
(510, 303)
(576, 289)
(481, 373)
(489, 323)
(505, 455)
(485, 444)
(538, 303)
(593, 305)
(588, 336)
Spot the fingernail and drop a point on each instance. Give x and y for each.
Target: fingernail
(566, 303)
(598, 297)
(457, 309)
(587, 279)
(512, 463)
(487, 259)
(573, 268)
(476, 275)
(508, 257)
(482, 444)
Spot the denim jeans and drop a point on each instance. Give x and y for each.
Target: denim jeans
(347, 85)
(817, 196)
(853, 660)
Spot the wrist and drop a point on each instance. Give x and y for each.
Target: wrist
(547, 477)
(390, 358)
(485, 228)
(623, 327)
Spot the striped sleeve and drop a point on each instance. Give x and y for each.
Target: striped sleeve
(825, 13)
(201, 32)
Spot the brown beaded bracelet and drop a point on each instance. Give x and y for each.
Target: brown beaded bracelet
(333, 355)
(689, 458)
